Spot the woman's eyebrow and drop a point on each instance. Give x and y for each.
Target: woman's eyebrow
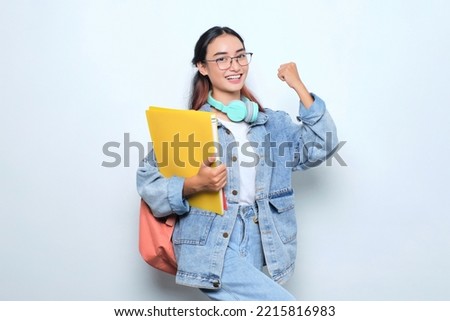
(225, 53)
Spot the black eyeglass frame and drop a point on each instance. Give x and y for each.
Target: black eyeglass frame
(248, 56)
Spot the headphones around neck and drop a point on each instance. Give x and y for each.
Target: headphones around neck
(237, 110)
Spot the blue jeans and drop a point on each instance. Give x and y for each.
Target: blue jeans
(242, 276)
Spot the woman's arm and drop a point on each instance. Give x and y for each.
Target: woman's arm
(207, 179)
(316, 137)
(289, 73)
(169, 195)
(163, 195)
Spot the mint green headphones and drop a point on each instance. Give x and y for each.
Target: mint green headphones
(237, 110)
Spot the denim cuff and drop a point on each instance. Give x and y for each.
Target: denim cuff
(312, 115)
(174, 194)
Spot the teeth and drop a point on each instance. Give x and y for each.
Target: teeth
(234, 77)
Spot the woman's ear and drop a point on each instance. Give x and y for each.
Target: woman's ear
(202, 68)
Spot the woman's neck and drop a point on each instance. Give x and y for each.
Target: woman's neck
(226, 97)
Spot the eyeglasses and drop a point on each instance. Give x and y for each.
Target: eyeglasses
(224, 63)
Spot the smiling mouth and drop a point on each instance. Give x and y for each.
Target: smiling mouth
(234, 77)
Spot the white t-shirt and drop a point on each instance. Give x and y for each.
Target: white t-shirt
(247, 163)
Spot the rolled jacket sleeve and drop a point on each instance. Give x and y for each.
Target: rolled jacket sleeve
(163, 195)
(317, 136)
(312, 115)
(178, 204)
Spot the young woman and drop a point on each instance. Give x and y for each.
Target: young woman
(224, 255)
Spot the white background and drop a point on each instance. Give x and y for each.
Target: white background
(76, 75)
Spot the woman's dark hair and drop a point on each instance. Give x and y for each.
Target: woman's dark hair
(201, 85)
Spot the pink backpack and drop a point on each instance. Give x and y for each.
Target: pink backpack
(155, 240)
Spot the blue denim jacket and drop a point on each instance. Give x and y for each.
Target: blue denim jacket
(281, 146)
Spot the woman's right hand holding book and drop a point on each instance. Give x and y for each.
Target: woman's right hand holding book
(208, 178)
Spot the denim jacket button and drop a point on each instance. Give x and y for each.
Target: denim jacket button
(225, 235)
(234, 192)
(255, 219)
(234, 158)
(216, 283)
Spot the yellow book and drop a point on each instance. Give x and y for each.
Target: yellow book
(182, 140)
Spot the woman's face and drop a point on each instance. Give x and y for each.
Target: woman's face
(227, 84)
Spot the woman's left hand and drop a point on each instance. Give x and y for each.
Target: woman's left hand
(289, 74)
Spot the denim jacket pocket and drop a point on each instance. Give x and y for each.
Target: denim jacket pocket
(193, 228)
(284, 217)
